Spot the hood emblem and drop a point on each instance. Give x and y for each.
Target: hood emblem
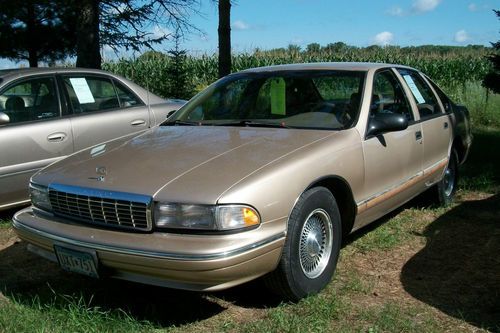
(101, 171)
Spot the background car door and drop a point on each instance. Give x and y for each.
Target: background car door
(103, 109)
(392, 159)
(35, 136)
(436, 126)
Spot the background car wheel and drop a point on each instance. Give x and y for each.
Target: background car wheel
(444, 191)
(311, 248)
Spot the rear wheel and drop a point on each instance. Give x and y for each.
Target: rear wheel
(311, 248)
(444, 191)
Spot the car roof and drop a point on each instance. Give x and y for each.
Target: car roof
(18, 72)
(349, 66)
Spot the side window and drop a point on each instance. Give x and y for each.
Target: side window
(445, 100)
(427, 102)
(127, 98)
(28, 100)
(90, 94)
(388, 96)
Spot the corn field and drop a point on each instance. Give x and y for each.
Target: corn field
(453, 68)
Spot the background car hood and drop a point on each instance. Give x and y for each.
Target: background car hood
(179, 163)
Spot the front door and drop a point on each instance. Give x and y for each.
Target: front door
(392, 160)
(35, 135)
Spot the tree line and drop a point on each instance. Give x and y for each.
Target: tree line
(52, 30)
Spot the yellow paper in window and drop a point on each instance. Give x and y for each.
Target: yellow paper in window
(278, 96)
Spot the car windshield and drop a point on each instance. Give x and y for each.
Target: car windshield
(289, 99)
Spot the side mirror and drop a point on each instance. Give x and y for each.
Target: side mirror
(386, 122)
(4, 118)
(170, 113)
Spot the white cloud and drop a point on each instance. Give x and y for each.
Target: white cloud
(159, 32)
(240, 25)
(396, 11)
(384, 38)
(422, 6)
(461, 36)
(472, 7)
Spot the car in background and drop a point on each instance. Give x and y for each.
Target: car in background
(261, 174)
(49, 113)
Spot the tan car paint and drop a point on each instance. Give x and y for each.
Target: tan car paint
(267, 168)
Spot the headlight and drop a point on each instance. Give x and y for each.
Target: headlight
(205, 217)
(40, 196)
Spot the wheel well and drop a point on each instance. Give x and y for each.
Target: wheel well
(460, 149)
(345, 200)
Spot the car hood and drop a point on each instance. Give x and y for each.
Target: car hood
(179, 163)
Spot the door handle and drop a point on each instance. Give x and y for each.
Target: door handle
(418, 135)
(445, 125)
(137, 122)
(56, 137)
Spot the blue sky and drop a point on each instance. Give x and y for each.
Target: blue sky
(277, 23)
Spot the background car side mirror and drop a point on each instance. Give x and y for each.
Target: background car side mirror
(386, 122)
(4, 118)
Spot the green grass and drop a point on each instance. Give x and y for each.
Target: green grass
(4, 224)
(481, 172)
(484, 106)
(65, 314)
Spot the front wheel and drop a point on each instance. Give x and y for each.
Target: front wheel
(311, 248)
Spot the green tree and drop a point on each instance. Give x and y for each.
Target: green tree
(492, 79)
(128, 24)
(177, 72)
(313, 48)
(36, 30)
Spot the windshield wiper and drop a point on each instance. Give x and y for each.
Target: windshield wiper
(253, 123)
(181, 123)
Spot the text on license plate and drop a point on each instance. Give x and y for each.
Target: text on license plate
(76, 261)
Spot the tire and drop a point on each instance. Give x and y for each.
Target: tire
(445, 189)
(307, 265)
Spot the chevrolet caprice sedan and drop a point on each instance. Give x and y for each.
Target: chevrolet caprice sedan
(261, 174)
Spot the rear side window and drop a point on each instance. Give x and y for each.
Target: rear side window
(445, 100)
(29, 100)
(93, 93)
(127, 98)
(425, 99)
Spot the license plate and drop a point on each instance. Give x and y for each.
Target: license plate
(77, 261)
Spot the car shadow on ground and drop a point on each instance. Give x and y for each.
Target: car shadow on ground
(458, 271)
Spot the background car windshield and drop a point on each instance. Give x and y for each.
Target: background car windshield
(302, 99)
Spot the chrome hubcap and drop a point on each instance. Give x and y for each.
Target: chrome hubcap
(315, 245)
(449, 180)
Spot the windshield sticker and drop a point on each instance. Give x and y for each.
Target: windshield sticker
(82, 90)
(413, 87)
(278, 96)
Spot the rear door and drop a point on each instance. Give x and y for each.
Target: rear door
(35, 135)
(436, 126)
(103, 109)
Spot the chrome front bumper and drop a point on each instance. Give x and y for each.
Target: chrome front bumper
(193, 262)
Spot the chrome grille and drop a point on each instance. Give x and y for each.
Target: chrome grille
(106, 208)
